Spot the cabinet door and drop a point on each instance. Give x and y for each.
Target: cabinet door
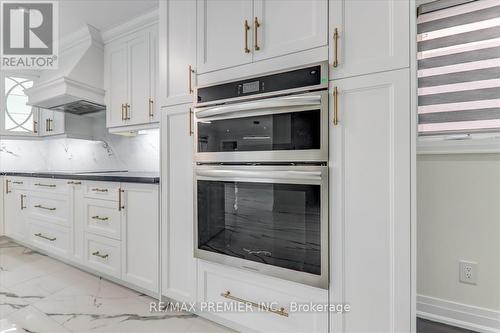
(140, 235)
(370, 202)
(178, 51)
(15, 202)
(139, 79)
(51, 122)
(153, 106)
(221, 34)
(283, 29)
(179, 265)
(373, 36)
(116, 77)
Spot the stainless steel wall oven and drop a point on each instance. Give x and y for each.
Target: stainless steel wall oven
(261, 179)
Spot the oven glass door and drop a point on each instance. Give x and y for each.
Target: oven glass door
(262, 130)
(244, 214)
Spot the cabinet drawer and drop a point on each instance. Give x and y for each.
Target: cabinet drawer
(49, 207)
(102, 190)
(103, 218)
(103, 254)
(49, 185)
(221, 284)
(51, 238)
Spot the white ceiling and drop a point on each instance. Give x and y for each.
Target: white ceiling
(102, 14)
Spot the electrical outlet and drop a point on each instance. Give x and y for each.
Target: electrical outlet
(468, 272)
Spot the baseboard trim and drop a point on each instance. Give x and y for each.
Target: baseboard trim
(458, 314)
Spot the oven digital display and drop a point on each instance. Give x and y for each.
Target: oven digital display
(251, 87)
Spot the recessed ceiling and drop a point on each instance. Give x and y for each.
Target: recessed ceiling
(102, 14)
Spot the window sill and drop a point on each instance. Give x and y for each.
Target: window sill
(480, 144)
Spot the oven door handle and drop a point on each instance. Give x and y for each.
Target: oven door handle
(279, 102)
(264, 174)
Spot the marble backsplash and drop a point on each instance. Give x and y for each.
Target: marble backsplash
(112, 152)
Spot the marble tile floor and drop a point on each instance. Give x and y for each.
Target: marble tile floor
(41, 294)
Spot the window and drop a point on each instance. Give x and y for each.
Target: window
(459, 67)
(18, 116)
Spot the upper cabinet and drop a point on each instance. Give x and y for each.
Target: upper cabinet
(130, 75)
(177, 51)
(368, 36)
(256, 30)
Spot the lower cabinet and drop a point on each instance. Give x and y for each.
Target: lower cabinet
(111, 228)
(261, 303)
(179, 265)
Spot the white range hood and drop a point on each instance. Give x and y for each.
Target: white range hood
(78, 85)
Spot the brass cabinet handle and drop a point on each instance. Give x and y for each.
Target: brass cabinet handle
(7, 186)
(120, 205)
(97, 254)
(45, 237)
(47, 125)
(281, 311)
(99, 190)
(127, 111)
(45, 185)
(18, 183)
(22, 201)
(97, 217)
(51, 124)
(190, 79)
(336, 46)
(246, 27)
(335, 106)
(123, 111)
(35, 125)
(256, 26)
(150, 106)
(191, 122)
(46, 208)
(74, 183)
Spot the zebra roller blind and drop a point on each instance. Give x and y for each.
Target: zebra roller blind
(459, 69)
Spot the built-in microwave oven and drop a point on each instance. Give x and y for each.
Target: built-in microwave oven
(280, 117)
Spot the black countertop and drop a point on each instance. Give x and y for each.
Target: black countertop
(122, 177)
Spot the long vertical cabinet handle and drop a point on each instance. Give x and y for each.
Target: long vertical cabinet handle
(191, 122)
(51, 122)
(335, 47)
(7, 186)
(246, 28)
(35, 125)
(335, 106)
(190, 79)
(256, 26)
(150, 105)
(120, 200)
(123, 111)
(22, 201)
(127, 111)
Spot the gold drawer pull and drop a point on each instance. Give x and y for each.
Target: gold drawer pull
(97, 254)
(100, 189)
(22, 201)
(74, 183)
(46, 208)
(100, 218)
(120, 200)
(336, 47)
(18, 183)
(7, 186)
(281, 311)
(45, 237)
(246, 27)
(45, 185)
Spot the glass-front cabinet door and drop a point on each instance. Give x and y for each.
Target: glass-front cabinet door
(16, 116)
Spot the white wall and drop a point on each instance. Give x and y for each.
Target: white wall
(458, 218)
(113, 152)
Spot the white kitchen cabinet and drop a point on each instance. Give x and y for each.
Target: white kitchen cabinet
(140, 235)
(224, 40)
(177, 51)
(280, 29)
(234, 33)
(370, 202)
(50, 122)
(372, 36)
(179, 264)
(76, 197)
(130, 78)
(15, 204)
